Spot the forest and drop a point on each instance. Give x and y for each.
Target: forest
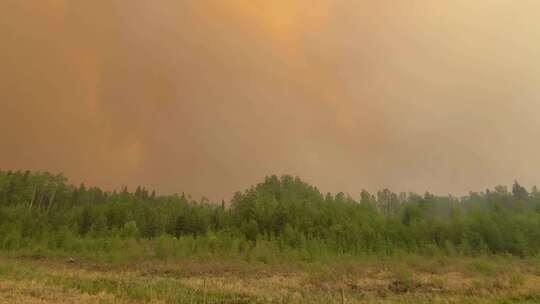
(41, 213)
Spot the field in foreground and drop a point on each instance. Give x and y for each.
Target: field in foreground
(407, 279)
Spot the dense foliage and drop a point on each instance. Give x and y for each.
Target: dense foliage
(42, 208)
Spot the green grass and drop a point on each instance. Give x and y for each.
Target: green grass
(369, 279)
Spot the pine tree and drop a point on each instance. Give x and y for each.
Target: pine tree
(85, 221)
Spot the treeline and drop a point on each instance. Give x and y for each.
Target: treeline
(42, 208)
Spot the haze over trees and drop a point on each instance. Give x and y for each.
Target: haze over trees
(40, 209)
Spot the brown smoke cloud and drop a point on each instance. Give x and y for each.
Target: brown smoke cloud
(207, 97)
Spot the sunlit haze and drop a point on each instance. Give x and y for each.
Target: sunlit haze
(208, 97)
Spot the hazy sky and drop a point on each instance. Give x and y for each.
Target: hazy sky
(208, 97)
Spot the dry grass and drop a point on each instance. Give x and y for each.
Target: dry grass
(32, 292)
(459, 280)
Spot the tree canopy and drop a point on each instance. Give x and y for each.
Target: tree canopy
(284, 210)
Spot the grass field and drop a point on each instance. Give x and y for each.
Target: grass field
(406, 279)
